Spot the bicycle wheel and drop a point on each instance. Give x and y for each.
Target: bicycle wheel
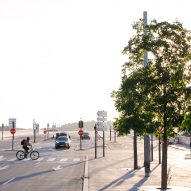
(34, 155)
(20, 155)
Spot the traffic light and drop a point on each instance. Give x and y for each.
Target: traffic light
(80, 124)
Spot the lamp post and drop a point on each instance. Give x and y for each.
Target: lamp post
(146, 137)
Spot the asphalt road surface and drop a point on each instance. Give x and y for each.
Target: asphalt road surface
(60, 169)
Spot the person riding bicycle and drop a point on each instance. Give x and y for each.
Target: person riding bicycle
(26, 144)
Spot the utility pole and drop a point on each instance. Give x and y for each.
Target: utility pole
(146, 137)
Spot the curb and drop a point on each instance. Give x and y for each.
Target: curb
(85, 178)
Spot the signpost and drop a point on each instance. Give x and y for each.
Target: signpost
(100, 125)
(95, 128)
(80, 132)
(2, 130)
(12, 125)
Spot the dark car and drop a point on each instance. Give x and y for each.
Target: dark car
(86, 135)
(62, 141)
(61, 134)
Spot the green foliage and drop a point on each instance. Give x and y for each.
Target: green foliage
(156, 95)
(186, 123)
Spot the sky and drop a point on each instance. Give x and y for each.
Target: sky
(60, 60)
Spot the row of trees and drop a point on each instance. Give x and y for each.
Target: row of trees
(155, 97)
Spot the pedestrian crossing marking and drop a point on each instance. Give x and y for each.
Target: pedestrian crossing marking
(40, 159)
(63, 160)
(51, 159)
(76, 159)
(2, 158)
(11, 160)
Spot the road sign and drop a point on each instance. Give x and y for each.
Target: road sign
(102, 113)
(101, 128)
(12, 122)
(100, 118)
(13, 131)
(80, 132)
(100, 123)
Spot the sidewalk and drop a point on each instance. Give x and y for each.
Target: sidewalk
(115, 172)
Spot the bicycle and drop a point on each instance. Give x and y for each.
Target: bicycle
(21, 154)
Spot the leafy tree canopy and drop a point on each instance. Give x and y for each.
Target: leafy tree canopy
(156, 95)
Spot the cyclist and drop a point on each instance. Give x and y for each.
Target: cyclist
(26, 144)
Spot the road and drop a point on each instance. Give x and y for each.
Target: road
(60, 169)
(63, 169)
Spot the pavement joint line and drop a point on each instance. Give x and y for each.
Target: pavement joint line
(85, 178)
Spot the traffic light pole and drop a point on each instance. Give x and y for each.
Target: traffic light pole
(95, 141)
(12, 141)
(110, 134)
(103, 143)
(80, 142)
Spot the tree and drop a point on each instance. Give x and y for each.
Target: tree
(186, 124)
(130, 100)
(161, 83)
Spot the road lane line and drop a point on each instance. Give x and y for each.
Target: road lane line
(8, 181)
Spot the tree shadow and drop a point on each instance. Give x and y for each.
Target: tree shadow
(126, 176)
(123, 178)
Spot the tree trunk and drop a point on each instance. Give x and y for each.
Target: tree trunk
(159, 149)
(151, 147)
(135, 150)
(164, 177)
(147, 155)
(164, 163)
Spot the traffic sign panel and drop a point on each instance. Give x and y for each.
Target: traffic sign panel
(100, 118)
(13, 131)
(102, 113)
(12, 122)
(100, 123)
(80, 132)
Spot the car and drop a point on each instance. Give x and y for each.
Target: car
(61, 134)
(62, 141)
(85, 135)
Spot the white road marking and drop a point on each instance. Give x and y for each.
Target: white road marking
(8, 181)
(76, 159)
(51, 159)
(4, 167)
(11, 160)
(57, 168)
(63, 160)
(40, 159)
(2, 158)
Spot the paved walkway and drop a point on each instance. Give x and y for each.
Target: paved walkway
(115, 172)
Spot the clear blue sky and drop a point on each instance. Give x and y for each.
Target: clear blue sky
(61, 59)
